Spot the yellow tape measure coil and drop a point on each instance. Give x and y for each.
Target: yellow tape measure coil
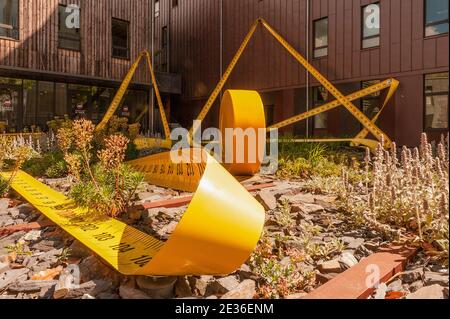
(215, 236)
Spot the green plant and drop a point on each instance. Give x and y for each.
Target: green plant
(110, 195)
(13, 154)
(277, 278)
(102, 182)
(283, 215)
(19, 249)
(51, 165)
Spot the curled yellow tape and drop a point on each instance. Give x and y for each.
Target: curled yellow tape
(216, 235)
(243, 110)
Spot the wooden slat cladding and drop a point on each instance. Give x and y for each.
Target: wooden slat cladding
(195, 42)
(38, 45)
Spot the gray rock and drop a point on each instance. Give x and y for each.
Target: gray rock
(5, 221)
(25, 209)
(348, 260)
(307, 208)
(245, 290)
(4, 204)
(414, 286)
(10, 276)
(147, 196)
(267, 199)
(126, 292)
(92, 288)
(9, 240)
(352, 243)
(157, 287)
(244, 272)
(324, 278)
(395, 285)
(332, 266)
(32, 235)
(29, 286)
(93, 268)
(299, 198)
(412, 275)
(78, 250)
(431, 278)
(429, 292)
(183, 288)
(222, 286)
(199, 284)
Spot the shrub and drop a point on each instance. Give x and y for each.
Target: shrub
(51, 165)
(106, 187)
(13, 154)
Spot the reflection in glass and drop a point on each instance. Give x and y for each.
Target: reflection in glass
(436, 101)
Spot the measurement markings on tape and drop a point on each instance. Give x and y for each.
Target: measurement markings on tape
(205, 241)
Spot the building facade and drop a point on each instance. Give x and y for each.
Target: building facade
(68, 57)
(48, 69)
(354, 43)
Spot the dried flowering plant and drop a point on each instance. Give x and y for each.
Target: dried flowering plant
(405, 196)
(13, 154)
(102, 182)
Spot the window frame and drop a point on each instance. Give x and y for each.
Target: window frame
(128, 40)
(66, 38)
(425, 95)
(426, 24)
(314, 39)
(11, 27)
(362, 29)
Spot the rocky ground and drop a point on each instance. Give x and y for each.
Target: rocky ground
(306, 239)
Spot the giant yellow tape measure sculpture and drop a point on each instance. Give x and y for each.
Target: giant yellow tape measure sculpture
(216, 235)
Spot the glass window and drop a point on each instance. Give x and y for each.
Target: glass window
(320, 98)
(101, 99)
(68, 29)
(134, 103)
(120, 38)
(163, 53)
(9, 19)
(436, 101)
(61, 100)
(370, 104)
(156, 8)
(29, 103)
(46, 103)
(436, 17)
(321, 38)
(9, 109)
(371, 25)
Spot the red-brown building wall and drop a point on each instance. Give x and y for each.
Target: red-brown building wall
(403, 53)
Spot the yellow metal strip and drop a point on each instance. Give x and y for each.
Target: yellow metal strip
(361, 117)
(120, 93)
(123, 89)
(393, 88)
(158, 97)
(215, 236)
(225, 76)
(331, 105)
